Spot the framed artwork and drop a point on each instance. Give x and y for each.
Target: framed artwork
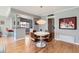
(68, 23)
(1, 22)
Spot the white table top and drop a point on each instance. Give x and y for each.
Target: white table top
(41, 33)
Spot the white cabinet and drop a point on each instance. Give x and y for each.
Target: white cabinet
(20, 33)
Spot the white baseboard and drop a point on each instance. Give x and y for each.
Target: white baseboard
(66, 42)
(67, 38)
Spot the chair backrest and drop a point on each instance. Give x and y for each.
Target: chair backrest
(50, 37)
(34, 30)
(35, 37)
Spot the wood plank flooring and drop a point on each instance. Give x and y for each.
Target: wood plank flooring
(54, 46)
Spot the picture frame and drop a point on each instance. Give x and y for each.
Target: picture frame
(1, 22)
(68, 23)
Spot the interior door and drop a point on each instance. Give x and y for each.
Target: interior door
(51, 26)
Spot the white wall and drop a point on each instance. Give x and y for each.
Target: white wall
(3, 18)
(4, 12)
(65, 32)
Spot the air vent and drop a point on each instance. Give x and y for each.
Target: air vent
(51, 15)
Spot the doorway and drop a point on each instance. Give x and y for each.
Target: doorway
(51, 26)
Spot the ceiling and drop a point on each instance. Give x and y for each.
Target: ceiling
(42, 11)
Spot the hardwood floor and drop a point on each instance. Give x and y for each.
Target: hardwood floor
(52, 47)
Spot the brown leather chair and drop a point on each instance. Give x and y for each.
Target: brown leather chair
(48, 37)
(34, 37)
(34, 30)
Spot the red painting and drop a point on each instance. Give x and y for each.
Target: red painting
(68, 23)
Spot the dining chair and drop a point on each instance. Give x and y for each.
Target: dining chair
(48, 37)
(34, 37)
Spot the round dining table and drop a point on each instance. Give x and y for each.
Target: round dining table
(41, 43)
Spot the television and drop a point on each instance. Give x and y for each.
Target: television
(68, 23)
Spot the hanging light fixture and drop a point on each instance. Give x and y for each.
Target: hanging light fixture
(41, 22)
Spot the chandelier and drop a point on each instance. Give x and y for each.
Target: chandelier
(41, 22)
